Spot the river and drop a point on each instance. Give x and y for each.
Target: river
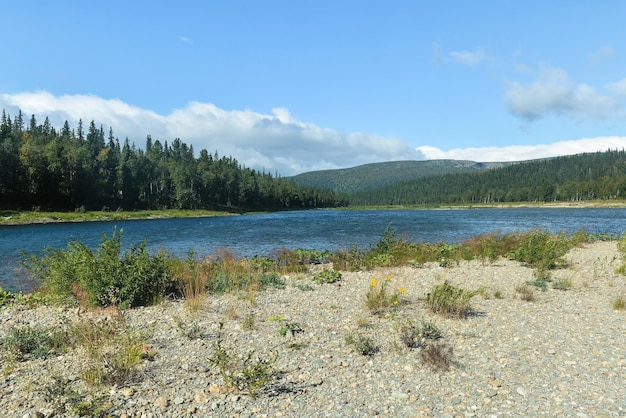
(262, 234)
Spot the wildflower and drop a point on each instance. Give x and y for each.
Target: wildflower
(373, 282)
(388, 278)
(402, 290)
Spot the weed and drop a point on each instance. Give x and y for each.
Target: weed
(362, 344)
(190, 330)
(248, 322)
(526, 293)
(249, 376)
(619, 303)
(192, 279)
(36, 341)
(348, 260)
(541, 284)
(379, 298)
(449, 300)
(304, 287)
(438, 356)
(409, 335)
(327, 276)
(498, 294)
(292, 328)
(562, 284)
(60, 395)
(114, 350)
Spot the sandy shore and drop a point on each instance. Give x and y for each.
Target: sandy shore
(563, 354)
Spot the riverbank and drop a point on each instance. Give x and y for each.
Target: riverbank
(559, 352)
(29, 217)
(9, 217)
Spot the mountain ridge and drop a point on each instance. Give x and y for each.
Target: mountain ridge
(381, 174)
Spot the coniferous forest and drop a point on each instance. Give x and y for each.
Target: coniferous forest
(581, 177)
(43, 167)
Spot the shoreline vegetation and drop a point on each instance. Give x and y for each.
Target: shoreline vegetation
(15, 217)
(490, 326)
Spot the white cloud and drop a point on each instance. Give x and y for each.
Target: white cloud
(526, 152)
(602, 55)
(618, 87)
(469, 58)
(552, 92)
(273, 142)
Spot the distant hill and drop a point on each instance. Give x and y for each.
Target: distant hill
(590, 176)
(379, 175)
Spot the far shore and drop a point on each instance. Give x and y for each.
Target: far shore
(15, 217)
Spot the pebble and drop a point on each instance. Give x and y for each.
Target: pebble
(562, 355)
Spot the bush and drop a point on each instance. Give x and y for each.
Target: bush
(363, 345)
(36, 341)
(327, 276)
(104, 277)
(379, 297)
(541, 250)
(449, 301)
(438, 356)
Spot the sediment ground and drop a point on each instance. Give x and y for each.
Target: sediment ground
(562, 354)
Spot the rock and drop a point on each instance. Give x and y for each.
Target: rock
(161, 402)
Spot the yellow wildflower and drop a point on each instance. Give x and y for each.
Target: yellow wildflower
(373, 282)
(402, 290)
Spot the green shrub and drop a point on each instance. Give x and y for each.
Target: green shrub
(541, 250)
(449, 301)
(619, 303)
(380, 298)
(248, 376)
(363, 345)
(348, 260)
(105, 277)
(327, 276)
(36, 341)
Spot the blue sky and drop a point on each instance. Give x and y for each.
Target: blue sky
(293, 86)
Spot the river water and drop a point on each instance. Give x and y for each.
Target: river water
(261, 234)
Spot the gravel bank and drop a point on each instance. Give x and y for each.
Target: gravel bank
(563, 354)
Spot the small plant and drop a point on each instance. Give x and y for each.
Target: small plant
(249, 376)
(113, 350)
(327, 276)
(429, 330)
(526, 293)
(248, 322)
(409, 335)
(191, 330)
(304, 287)
(449, 300)
(438, 356)
(363, 345)
(541, 250)
(38, 342)
(286, 326)
(619, 303)
(379, 298)
(498, 294)
(539, 284)
(562, 284)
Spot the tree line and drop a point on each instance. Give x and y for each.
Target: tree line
(42, 167)
(591, 176)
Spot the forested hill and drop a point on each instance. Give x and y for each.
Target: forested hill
(600, 175)
(67, 169)
(378, 175)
